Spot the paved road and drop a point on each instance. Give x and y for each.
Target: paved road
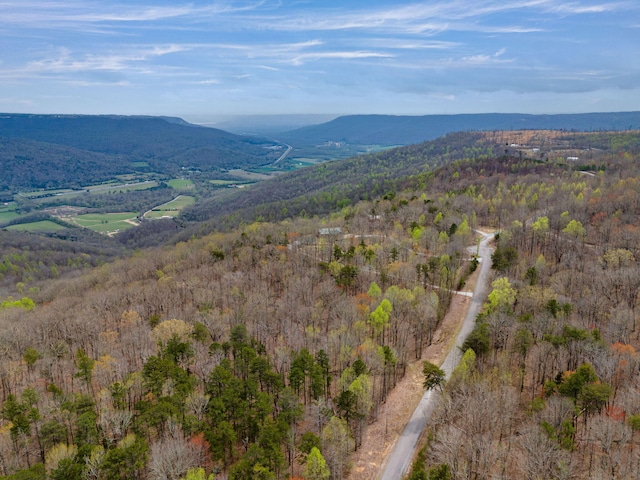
(400, 457)
(284, 155)
(286, 152)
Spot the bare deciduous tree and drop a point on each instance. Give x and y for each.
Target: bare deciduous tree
(173, 455)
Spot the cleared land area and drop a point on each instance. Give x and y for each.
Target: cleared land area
(41, 226)
(106, 222)
(8, 212)
(127, 187)
(181, 184)
(172, 208)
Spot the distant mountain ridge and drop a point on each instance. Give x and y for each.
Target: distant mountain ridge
(97, 146)
(407, 130)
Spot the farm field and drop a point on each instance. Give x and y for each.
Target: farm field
(181, 184)
(8, 212)
(294, 163)
(172, 208)
(127, 187)
(41, 226)
(106, 222)
(103, 223)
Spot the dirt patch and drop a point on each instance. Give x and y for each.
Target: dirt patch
(65, 211)
(393, 416)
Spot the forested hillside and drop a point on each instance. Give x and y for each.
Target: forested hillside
(556, 344)
(33, 164)
(29, 259)
(239, 352)
(36, 151)
(332, 185)
(266, 351)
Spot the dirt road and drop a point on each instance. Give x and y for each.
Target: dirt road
(399, 459)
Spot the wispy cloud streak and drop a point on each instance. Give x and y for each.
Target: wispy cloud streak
(224, 51)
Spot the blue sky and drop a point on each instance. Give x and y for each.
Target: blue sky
(208, 58)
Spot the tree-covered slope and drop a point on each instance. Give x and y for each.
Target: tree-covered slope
(27, 164)
(29, 259)
(98, 146)
(332, 185)
(322, 188)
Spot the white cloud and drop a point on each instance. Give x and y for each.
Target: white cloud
(482, 59)
(410, 44)
(77, 15)
(420, 18)
(60, 14)
(52, 14)
(499, 29)
(578, 8)
(431, 18)
(300, 59)
(63, 61)
(87, 83)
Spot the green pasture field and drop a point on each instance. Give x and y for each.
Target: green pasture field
(41, 226)
(8, 216)
(303, 160)
(178, 203)
(106, 222)
(172, 208)
(122, 188)
(139, 164)
(8, 212)
(295, 163)
(161, 213)
(180, 183)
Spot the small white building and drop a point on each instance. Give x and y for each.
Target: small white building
(330, 231)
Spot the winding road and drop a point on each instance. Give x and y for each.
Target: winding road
(398, 460)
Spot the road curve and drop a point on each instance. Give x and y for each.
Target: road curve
(399, 459)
